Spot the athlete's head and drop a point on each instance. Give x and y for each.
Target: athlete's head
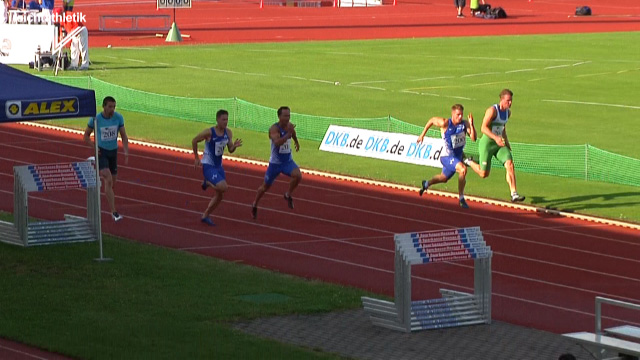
(222, 118)
(108, 106)
(505, 99)
(284, 114)
(457, 111)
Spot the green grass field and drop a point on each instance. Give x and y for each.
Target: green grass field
(569, 89)
(150, 302)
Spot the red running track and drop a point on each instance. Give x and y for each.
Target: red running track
(546, 269)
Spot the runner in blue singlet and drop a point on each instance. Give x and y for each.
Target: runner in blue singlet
(281, 160)
(110, 124)
(454, 133)
(216, 139)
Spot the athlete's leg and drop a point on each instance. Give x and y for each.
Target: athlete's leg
(107, 179)
(296, 177)
(462, 178)
(220, 188)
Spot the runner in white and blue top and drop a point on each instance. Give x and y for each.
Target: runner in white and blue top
(110, 124)
(454, 133)
(216, 139)
(281, 160)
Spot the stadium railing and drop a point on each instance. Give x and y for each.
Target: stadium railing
(584, 162)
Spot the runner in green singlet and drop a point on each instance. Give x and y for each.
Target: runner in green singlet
(494, 142)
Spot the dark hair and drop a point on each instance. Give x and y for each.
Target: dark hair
(567, 356)
(505, 92)
(457, 107)
(220, 113)
(107, 100)
(282, 108)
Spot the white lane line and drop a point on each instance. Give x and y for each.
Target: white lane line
(22, 353)
(345, 262)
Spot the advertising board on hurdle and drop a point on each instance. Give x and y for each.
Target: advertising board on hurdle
(50, 177)
(454, 308)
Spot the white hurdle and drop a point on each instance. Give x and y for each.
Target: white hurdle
(454, 308)
(38, 178)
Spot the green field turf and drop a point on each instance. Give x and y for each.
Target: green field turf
(150, 302)
(569, 89)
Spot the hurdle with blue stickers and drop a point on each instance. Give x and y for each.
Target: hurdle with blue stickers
(49, 177)
(454, 308)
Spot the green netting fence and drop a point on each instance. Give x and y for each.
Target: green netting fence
(571, 161)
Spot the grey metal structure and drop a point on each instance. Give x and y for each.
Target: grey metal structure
(38, 178)
(619, 342)
(454, 308)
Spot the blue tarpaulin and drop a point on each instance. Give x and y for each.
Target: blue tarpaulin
(26, 97)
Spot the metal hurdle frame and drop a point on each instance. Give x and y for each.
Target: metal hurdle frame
(454, 308)
(71, 229)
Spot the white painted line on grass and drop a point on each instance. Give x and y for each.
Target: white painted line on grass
(322, 81)
(597, 74)
(519, 70)
(434, 78)
(480, 74)
(368, 82)
(592, 103)
(222, 70)
(134, 60)
(368, 87)
(556, 67)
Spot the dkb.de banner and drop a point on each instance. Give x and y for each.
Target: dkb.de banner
(382, 145)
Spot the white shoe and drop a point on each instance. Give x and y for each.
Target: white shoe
(116, 217)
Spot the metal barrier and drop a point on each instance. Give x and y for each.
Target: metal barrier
(135, 22)
(38, 178)
(619, 342)
(455, 308)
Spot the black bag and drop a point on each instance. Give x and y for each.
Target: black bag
(484, 8)
(496, 13)
(583, 11)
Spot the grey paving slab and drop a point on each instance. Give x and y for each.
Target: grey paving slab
(351, 334)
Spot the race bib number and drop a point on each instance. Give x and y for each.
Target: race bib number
(458, 140)
(497, 129)
(219, 149)
(109, 133)
(285, 148)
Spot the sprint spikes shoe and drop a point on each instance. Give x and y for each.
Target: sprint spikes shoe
(204, 185)
(463, 204)
(425, 186)
(116, 217)
(515, 197)
(254, 212)
(208, 221)
(289, 200)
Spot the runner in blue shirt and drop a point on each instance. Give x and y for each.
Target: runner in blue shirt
(110, 124)
(281, 160)
(454, 133)
(216, 139)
